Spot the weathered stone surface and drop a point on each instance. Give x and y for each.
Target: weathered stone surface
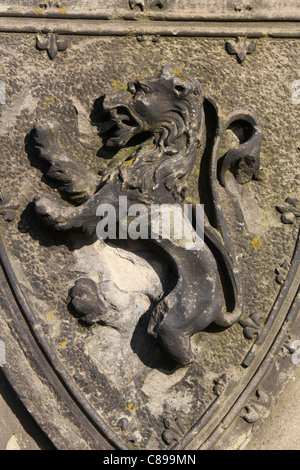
(123, 379)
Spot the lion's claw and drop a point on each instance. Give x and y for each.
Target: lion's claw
(44, 139)
(53, 213)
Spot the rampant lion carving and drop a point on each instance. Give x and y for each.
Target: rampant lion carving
(169, 110)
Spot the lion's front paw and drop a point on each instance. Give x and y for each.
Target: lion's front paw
(44, 139)
(86, 301)
(52, 212)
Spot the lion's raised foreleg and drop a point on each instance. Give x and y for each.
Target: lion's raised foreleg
(62, 216)
(44, 139)
(75, 183)
(57, 214)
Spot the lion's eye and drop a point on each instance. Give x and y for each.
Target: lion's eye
(141, 90)
(132, 87)
(141, 87)
(180, 89)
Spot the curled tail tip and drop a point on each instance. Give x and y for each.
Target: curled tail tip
(227, 319)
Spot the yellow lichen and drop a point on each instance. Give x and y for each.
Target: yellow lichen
(50, 99)
(116, 84)
(131, 407)
(128, 162)
(178, 73)
(256, 243)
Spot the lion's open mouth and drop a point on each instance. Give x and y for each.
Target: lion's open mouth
(127, 124)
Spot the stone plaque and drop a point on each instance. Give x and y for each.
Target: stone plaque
(115, 331)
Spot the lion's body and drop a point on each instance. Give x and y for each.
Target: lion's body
(170, 108)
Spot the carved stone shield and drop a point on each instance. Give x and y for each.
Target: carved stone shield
(149, 342)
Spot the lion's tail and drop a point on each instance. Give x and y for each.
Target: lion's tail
(245, 156)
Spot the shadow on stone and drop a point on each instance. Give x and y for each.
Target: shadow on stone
(26, 421)
(148, 349)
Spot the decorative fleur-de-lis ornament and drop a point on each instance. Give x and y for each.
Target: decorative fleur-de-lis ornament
(140, 3)
(48, 4)
(51, 44)
(255, 407)
(175, 429)
(146, 4)
(251, 325)
(240, 48)
(290, 210)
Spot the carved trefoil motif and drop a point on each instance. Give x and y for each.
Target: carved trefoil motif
(52, 44)
(256, 407)
(147, 5)
(50, 4)
(241, 48)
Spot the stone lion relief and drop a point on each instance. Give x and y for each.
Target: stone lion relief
(179, 128)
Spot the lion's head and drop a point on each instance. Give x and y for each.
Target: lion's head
(160, 105)
(170, 108)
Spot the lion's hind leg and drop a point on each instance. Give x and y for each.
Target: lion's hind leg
(61, 216)
(192, 305)
(174, 340)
